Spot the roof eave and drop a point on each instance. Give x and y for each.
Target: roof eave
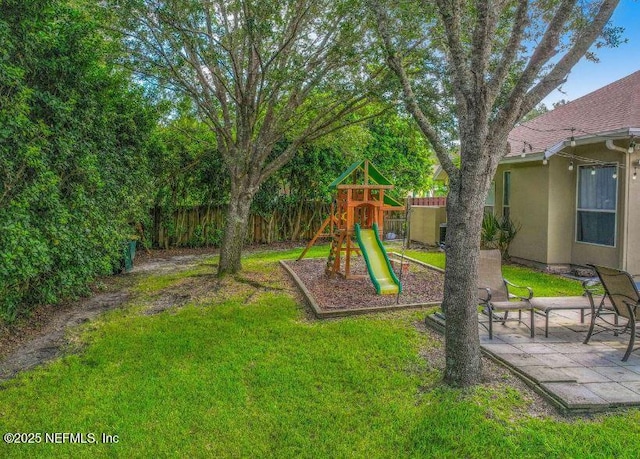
(593, 138)
(529, 157)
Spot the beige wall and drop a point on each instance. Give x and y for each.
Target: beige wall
(631, 231)
(529, 208)
(544, 203)
(425, 224)
(562, 215)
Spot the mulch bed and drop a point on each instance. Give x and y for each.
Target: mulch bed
(420, 285)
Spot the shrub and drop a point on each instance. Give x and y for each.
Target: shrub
(72, 155)
(498, 233)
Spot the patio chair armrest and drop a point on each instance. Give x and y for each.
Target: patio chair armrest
(529, 290)
(487, 290)
(633, 307)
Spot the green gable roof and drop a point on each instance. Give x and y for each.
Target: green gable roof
(389, 201)
(375, 175)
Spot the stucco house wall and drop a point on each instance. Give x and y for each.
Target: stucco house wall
(528, 208)
(544, 203)
(631, 230)
(424, 225)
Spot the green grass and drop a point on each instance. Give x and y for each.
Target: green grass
(543, 284)
(251, 377)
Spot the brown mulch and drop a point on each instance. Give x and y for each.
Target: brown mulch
(419, 285)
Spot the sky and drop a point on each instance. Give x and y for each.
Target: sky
(615, 63)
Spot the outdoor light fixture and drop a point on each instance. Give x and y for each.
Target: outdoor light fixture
(545, 161)
(571, 165)
(522, 155)
(593, 170)
(632, 146)
(573, 139)
(635, 174)
(615, 174)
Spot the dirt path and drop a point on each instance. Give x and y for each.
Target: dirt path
(43, 336)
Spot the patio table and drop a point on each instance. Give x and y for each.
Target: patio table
(545, 305)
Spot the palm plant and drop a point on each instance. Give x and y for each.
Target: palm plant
(497, 233)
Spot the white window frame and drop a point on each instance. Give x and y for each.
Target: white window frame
(614, 212)
(490, 204)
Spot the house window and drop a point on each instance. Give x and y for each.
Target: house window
(506, 194)
(597, 204)
(490, 203)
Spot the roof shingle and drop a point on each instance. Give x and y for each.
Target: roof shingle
(612, 107)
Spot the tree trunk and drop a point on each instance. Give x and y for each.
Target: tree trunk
(465, 208)
(237, 222)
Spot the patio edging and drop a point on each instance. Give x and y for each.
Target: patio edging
(437, 323)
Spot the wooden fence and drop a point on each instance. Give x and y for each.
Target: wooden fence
(203, 226)
(439, 201)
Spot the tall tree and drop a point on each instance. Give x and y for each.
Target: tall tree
(259, 72)
(501, 58)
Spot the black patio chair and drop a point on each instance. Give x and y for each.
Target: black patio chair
(494, 293)
(624, 300)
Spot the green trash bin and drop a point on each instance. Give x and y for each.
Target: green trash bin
(129, 252)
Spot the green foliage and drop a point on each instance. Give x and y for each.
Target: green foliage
(72, 163)
(186, 167)
(189, 171)
(401, 152)
(392, 142)
(498, 233)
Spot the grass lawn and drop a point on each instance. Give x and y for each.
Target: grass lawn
(240, 371)
(542, 284)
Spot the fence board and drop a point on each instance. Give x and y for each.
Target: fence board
(202, 226)
(439, 201)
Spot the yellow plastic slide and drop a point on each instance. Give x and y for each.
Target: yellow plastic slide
(378, 265)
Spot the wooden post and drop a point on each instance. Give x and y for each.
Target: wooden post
(407, 222)
(347, 260)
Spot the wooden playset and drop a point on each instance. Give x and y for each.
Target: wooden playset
(361, 199)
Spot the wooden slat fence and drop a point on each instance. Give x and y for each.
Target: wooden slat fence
(202, 226)
(439, 201)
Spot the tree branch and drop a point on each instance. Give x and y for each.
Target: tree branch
(510, 52)
(558, 74)
(451, 15)
(545, 50)
(412, 105)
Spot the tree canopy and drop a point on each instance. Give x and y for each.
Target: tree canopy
(261, 74)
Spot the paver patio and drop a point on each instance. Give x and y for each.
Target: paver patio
(575, 377)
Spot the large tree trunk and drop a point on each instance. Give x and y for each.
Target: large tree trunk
(236, 226)
(465, 208)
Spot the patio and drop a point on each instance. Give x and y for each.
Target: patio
(575, 377)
